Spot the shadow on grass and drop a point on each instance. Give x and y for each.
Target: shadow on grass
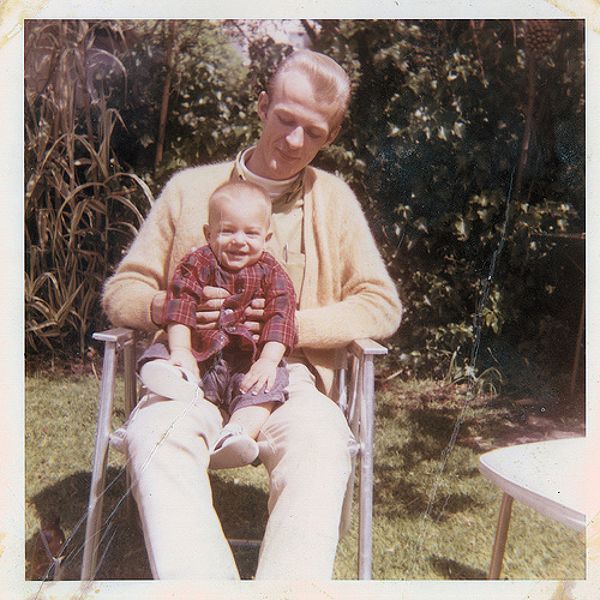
(431, 431)
(122, 554)
(451, 569)
(410, 501)
(536, 412)
(397, 492)
(242, 510)
(431, 434)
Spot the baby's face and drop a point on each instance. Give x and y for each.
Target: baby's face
(237, 231)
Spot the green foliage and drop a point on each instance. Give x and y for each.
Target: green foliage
(433, 146)
(208, 103)
(80, 208)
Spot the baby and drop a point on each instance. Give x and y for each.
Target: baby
(245, 378)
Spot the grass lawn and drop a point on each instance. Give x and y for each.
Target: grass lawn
(432, 519)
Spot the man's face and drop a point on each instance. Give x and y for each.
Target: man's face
(295, 127)
(237, 231)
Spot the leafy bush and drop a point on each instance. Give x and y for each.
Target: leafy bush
(465, 143)
(434, 146)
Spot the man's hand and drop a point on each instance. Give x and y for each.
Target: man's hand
(156, 308)
(183, 357)
(208, 311)
(261, 374)
(254, 316)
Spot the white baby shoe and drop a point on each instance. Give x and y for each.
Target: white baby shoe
(233, 448)
(170, 381)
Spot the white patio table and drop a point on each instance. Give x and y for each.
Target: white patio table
(553, 477)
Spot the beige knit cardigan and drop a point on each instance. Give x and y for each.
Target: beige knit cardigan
(346, 293)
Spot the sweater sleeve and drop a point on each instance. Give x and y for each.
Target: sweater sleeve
(143, 271)
(368, 304)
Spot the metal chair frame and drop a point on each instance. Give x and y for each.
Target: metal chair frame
(355, 385)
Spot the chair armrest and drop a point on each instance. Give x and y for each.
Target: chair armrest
(117, 341)
(360, 354)
(366, 347)
(119, 335)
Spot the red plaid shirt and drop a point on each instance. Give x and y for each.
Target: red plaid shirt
(264, 279)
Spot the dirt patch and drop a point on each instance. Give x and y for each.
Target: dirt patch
(488, 421)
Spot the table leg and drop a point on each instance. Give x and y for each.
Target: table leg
(501, 535)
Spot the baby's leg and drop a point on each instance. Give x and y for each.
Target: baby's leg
(169, 381)
(252, 418)
(236, 445)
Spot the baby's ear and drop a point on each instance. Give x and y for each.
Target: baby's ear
(206, 230)
(269, 235)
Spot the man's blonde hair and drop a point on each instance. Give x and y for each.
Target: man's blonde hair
(331, 82)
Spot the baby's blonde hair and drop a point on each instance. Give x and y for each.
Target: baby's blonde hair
(239, 190)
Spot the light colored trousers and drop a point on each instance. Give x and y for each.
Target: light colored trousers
(306, 452)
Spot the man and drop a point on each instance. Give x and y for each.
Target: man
(322, 239)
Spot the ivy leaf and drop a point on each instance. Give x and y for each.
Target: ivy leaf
(462, 228)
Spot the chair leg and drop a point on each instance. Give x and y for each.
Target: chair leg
(130, 401)
(348, 502)
(365, 542)
(96, 500)
(501, 535)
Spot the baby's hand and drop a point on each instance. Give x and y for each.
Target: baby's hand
(184, 358)
(261, 374)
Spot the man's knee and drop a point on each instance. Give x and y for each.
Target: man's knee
(157, 421)
(308, 437)
(318, 418)
(328, 449)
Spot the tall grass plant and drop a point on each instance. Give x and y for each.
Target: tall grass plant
(81, 206)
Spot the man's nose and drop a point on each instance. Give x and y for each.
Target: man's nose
(295, 138)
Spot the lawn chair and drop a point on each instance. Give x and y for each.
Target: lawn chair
(355, 383)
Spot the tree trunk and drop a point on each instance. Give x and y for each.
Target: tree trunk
(164, 108)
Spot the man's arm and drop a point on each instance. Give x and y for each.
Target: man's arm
(367, 303)
(132, 295)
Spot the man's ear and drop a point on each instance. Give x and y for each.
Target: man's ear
(334, 133)
(206, 230)
(263, 106)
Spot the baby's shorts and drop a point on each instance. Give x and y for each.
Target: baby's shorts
(223, 375)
